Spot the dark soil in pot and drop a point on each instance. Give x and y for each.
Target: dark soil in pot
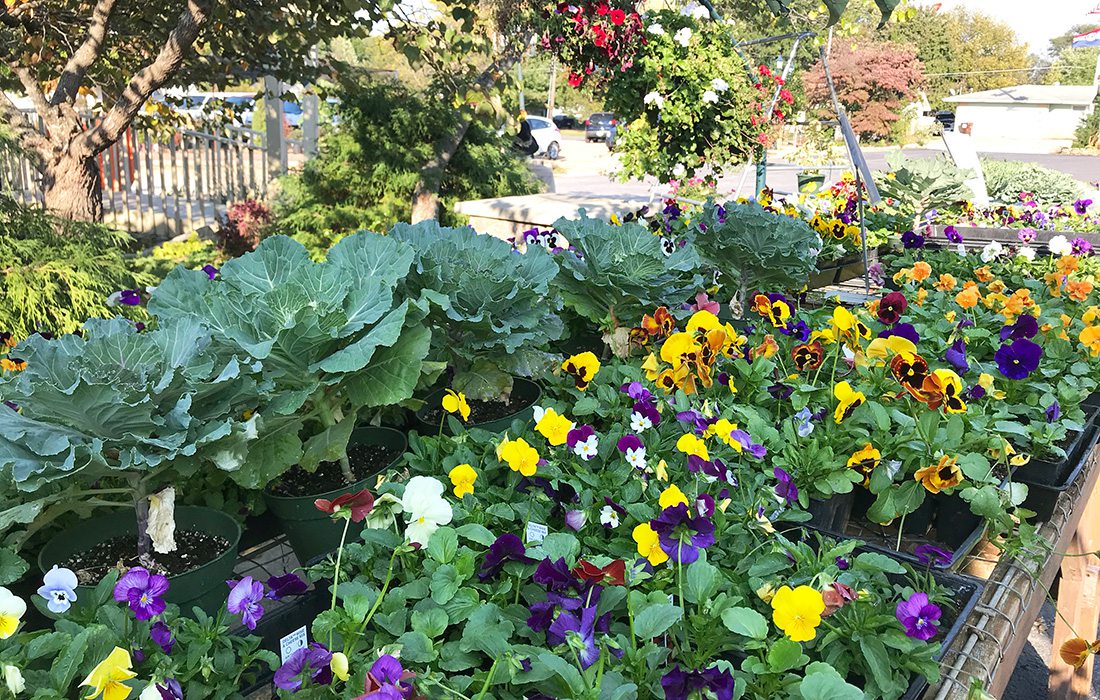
(480, 411)
(496, 416)
(365, 460)
(193, 549)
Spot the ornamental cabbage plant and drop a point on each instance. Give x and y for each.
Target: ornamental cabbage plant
(331, 338)
(149, 408)
(492, 311)
(760, 249)
(612, 275)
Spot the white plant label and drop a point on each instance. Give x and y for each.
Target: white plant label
(536, 532)
(298, 639)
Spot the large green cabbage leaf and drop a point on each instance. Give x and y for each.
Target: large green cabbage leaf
(492, 309)
(619, 273)
(331, 338)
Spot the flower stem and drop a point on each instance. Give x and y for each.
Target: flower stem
(901, 531)
(336, 573)
(680, 587)
(488, 679)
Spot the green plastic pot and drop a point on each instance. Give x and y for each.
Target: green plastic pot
(311, 532)
(809, 183)
(202, 587)
(524, 390)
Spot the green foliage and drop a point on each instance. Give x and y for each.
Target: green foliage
(1006, 179)
(56, 274)
(1088, 132)
(919, 185)
(331, 338)
(366, 172)
(116, 401)
(492, 310)
(192, 252)
(619, 273)
(757, 247)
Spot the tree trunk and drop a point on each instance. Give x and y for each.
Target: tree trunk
(73, 189)
(425, 203)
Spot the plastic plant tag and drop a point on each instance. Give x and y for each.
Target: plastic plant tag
(536, 532)
(298, 639)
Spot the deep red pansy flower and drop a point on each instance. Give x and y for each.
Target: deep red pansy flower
(614, 574)
(357, 504)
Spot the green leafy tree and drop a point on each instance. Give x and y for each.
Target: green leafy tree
(1070, 66)
(58, 52)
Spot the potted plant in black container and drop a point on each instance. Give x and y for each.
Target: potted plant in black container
(332, 341)
(118, 418)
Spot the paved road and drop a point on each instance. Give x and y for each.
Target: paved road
(586, 167)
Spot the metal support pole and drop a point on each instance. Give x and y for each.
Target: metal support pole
(519, 82)
(273, 126)
(552, 92)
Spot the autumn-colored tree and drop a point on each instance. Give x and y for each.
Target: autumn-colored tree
(873, 82)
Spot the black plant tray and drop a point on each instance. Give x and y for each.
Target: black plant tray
(1042, 497)
(1052, 473)
(279, 622)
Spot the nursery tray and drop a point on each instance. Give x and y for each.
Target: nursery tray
(1044, 473)
(1041, 498)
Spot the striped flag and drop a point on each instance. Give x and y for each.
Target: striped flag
(1087, 39)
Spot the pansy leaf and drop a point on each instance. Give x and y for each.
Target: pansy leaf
(822, 682)
(488, 631)
(785, 655)
(476, 533)
(655, 619)
(745, 622)
(417, 647)
(443, 544)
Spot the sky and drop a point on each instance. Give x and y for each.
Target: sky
(1035, 22)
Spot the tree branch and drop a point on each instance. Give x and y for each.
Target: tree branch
(150, 78)
(22, 129)
(85, 55)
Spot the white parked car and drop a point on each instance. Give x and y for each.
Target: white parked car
(547, 136)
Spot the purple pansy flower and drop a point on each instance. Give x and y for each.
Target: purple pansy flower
(312, 661)
(704, 505)
(1026, 235)
(245, 599)
(912, 240)
(210, 271)
(575, 520)
(129, 297)
(1025, 327)
(780, 391)
(387, 680)
(696, 419)
(644, 416)
(918, 616)
(170, 689)
(785, 489)
(1053, 411)
(636, 391)
(1081, 246)
(160, 634)
(956, 356)
(507, 547)
(286, 585)
(583, 441)
(747, 445)
(682, 536)
(931, 555)
(842, 563)
(584, 628)
(680, 684)
(59, 589)
(804, 422)
(952, 234)
(1081, 206)
(143, 591)
(902, 330)
(1018, 360)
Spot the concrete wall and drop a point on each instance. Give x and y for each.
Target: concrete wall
(1020, 128)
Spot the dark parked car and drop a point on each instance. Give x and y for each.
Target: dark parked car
(946, 119)
(599, 126)
(564, 121)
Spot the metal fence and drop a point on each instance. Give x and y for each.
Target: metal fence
(158, 185)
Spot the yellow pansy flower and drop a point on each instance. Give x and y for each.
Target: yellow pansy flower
(689, 444)
(519, 456)
(649, 544)
(12, 609)
(848, 399)
(462, 478)
(672, 496)
(107, 678)
(582, 368)
(339, 665)
(798, 612)
(455, 402)
(552, 425)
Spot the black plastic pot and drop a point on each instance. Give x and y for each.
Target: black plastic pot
(1051, 472)
(313, 533)
(203, 586)
(526, 392)
(273, 626)
(1042, 497)
(832, 514)
(916, 523)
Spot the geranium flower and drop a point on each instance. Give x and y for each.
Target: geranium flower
(941, 476)
(584, 442)
(848, 400)
(355, 506)
(631, 446)
(107, 678)
(143, 591)
(649, 544)
(519, 456)
(455, 402)
(798, 612)
(683, 684)
(313, 661)
(582, 368)
(785, 489)
(1018, 360)
(617, 17)
(865, 460)
(162, 636)
(423, 502)
(891, 307)
(59, 589)
(245, 599)
(506, 548)
(552, 425)
(682, 536)
(918, 616)
(1076, 651)
(12, 609)
(614, 574)
(930, 554)
(462, 478)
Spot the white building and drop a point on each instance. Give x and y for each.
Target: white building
(1023, 118)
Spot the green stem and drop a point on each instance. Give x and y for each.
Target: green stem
(630, 616)
(488, 679)
(680, 590)
(325, 415)
(901, 531)
(336, 573)
(381, 596)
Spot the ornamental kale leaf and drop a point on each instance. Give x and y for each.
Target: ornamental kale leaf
(492, 309)
(331, 338)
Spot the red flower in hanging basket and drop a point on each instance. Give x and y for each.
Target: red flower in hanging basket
(575, 79)
(350, 505)
(618, 17)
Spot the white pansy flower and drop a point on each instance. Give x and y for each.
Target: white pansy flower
(961, 249)
(639, 422)
(609, 517)
(586, 449)
(427, 509)
(1060, 245)
(635, 457)
(992, 251)
(683, 36)
(654, 98)
(1026, 252)
(710, 96)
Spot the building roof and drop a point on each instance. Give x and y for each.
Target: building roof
(1073, 95)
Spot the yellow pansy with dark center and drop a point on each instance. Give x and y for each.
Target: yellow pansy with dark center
(910, 369)
(808, 356)
(864, 461)
(943, 388)
(941, 476)
(848, 400)
(582, 368)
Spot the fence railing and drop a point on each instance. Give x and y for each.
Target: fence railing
(158, 184)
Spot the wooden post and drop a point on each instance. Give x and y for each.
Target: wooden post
(273, 126)
(1078, 603)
